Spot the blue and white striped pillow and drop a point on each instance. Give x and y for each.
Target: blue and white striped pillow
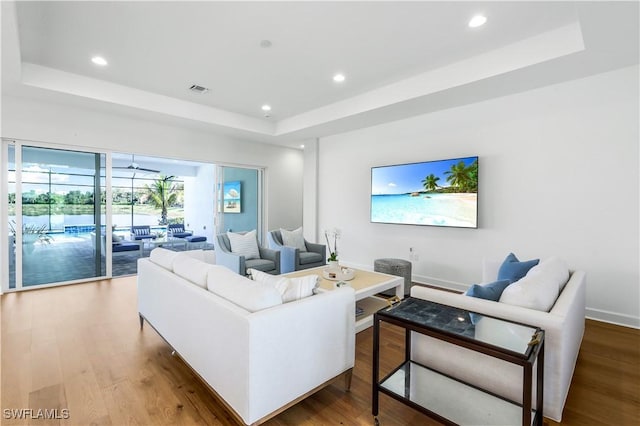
(244, 244)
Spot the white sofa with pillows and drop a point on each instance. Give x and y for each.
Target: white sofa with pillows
(258, 354)
(548, 296)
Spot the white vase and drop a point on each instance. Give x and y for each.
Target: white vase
(333, 264)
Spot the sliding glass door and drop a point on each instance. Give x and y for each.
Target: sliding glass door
(56, 215)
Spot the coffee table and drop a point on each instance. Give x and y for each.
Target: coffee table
(366, 285)
(164, 242)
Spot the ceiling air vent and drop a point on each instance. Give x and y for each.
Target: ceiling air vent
(198, 89)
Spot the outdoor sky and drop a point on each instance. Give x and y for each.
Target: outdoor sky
(405, 178)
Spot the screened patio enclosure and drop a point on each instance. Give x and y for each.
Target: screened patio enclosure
(67, 208)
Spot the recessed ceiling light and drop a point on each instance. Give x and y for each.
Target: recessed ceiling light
(302, 146)
(99, 60)
(266, 107)
(338, 78)
(477, 21)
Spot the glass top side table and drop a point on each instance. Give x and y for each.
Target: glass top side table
(445, 398)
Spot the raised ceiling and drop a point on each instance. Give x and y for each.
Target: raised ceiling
(399, 58)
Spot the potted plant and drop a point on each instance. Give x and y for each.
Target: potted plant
(334, 234)
(31, 234)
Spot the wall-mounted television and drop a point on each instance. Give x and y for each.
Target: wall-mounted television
(435, 193)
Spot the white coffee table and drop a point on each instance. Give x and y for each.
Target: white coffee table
(366, 285)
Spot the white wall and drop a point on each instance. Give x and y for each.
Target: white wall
(61, 124)
(199, 194)
(310, 197)
(558, 176)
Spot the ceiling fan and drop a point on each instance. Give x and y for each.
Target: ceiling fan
(136, 167)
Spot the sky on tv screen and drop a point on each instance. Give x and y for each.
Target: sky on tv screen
(404, 178)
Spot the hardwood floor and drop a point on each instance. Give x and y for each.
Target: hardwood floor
(80, 348)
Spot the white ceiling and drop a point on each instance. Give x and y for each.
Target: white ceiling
(400, 58)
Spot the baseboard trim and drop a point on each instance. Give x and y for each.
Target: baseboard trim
(447, 285)
(613, 318)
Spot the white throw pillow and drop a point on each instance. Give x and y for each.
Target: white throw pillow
(290, 289)
(279, 282)
(299, 288)
(241, 291)
(191, 269)
(538, 289)
(244, 244)
(555, 269)
(293, 238)
(163, 257)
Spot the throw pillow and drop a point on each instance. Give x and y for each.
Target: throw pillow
(300, 287)
(240, 291)
(116, 239)
(244, 244)
(293, 238)
(290, 289)
(512, 269)
(537, 290)
(555, 269)
(279, 282)
(491, 291)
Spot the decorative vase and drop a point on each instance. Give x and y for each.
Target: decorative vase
(334, 264)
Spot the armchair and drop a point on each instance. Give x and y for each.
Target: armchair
(177, 230)
(292, 258)
(269, 260)
(141, 232)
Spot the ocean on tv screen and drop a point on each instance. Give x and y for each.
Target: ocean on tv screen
(457, 210)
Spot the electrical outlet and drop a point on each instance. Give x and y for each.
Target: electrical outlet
(413, 255)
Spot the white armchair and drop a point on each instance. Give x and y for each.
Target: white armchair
(563, 326)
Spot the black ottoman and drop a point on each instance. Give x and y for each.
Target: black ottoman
(397, 267)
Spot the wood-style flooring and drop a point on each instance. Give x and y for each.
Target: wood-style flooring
(80, 348)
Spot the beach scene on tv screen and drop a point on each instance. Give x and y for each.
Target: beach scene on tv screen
(437, 193)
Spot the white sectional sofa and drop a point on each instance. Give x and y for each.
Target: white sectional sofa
(257, 354)
(563, 325)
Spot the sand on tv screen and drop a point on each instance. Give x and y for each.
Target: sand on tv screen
(436, 193)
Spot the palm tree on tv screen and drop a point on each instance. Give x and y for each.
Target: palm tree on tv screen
(430, 182)
(462, 177)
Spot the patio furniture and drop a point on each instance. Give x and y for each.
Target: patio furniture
(268, 260)
(295, 259)
(177, 230)
(195, 241)
(141, 232)
(118, 248)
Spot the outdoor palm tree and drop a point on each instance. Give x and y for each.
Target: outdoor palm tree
(162, 194)
(430, 182)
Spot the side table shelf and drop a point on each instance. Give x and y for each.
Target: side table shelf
(448, 398)
(445, 398)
